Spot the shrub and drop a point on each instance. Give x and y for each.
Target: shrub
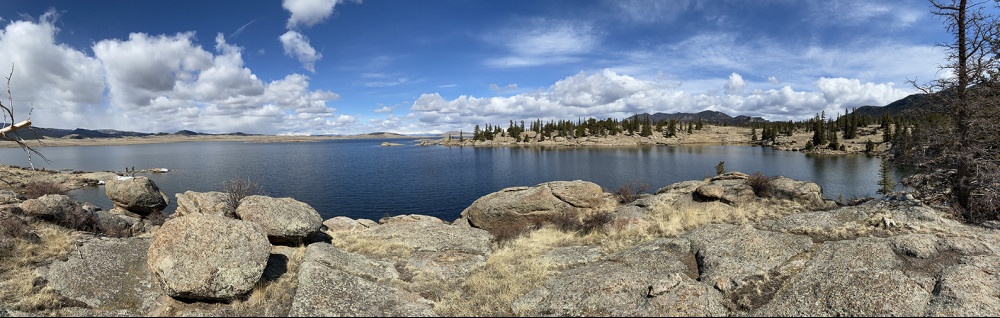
(720, 168)
(12, 226)
(566, 221)
(37, 189)
(156, 218)
(629, 192)
(510, 231)
(237, 189)
(594, 221)
(79, 219)
(761, 184)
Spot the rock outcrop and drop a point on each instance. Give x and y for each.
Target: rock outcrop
(208, 257)
(520, 207)
(284, 219)
(333, 282)
(138, 195)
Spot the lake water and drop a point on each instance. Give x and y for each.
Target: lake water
(361, 179)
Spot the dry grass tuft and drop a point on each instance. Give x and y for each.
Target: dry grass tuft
(511, 271)
(37, 189)
(675, 219)
(273, 298)
(20, 286)
(372, 246)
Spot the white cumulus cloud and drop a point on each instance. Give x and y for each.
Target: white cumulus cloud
(307, 13)
(297, 45)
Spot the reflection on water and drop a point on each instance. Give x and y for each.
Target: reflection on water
(359, 178)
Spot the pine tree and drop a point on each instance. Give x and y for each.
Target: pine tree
(753, 133)
(885, 183)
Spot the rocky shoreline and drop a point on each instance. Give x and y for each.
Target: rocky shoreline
(720, 246)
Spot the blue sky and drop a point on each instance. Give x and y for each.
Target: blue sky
(347, 67)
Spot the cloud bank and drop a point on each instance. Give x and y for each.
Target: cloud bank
(609, 94)
(155, 83)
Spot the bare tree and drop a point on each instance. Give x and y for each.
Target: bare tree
(10, 125)
(964, 140)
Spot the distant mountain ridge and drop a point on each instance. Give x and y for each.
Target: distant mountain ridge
(81, 133)
(710, 116)
(909, 106)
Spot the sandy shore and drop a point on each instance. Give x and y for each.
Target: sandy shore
(68, 142)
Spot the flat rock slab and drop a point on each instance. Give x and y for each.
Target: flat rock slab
(971, 288)
(647, 280)
(727, 254)
(860, 277)
(107, 274)
(326, 289)
(448, 251)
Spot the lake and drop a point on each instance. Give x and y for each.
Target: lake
(361, 179)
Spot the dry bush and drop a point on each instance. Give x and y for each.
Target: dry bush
(509, 231)
(79, 219)
(761, 184)
(237, 189)
(566, 221)
(12, 227)
(156, 218)
(37, 189)
(120, 230)
(629, 192)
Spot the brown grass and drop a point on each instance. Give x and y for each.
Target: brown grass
(372, 246)
(37, 189)
(273, 298)
(20, 286)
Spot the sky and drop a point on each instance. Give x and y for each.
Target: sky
(315, 67)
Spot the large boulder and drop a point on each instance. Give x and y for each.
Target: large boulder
(333, 282)
(283, 219)
(208, 257)
(210, 203)
(136, 194)
(807, 193)
(520, 207)
(729, 190)
(50, 207)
